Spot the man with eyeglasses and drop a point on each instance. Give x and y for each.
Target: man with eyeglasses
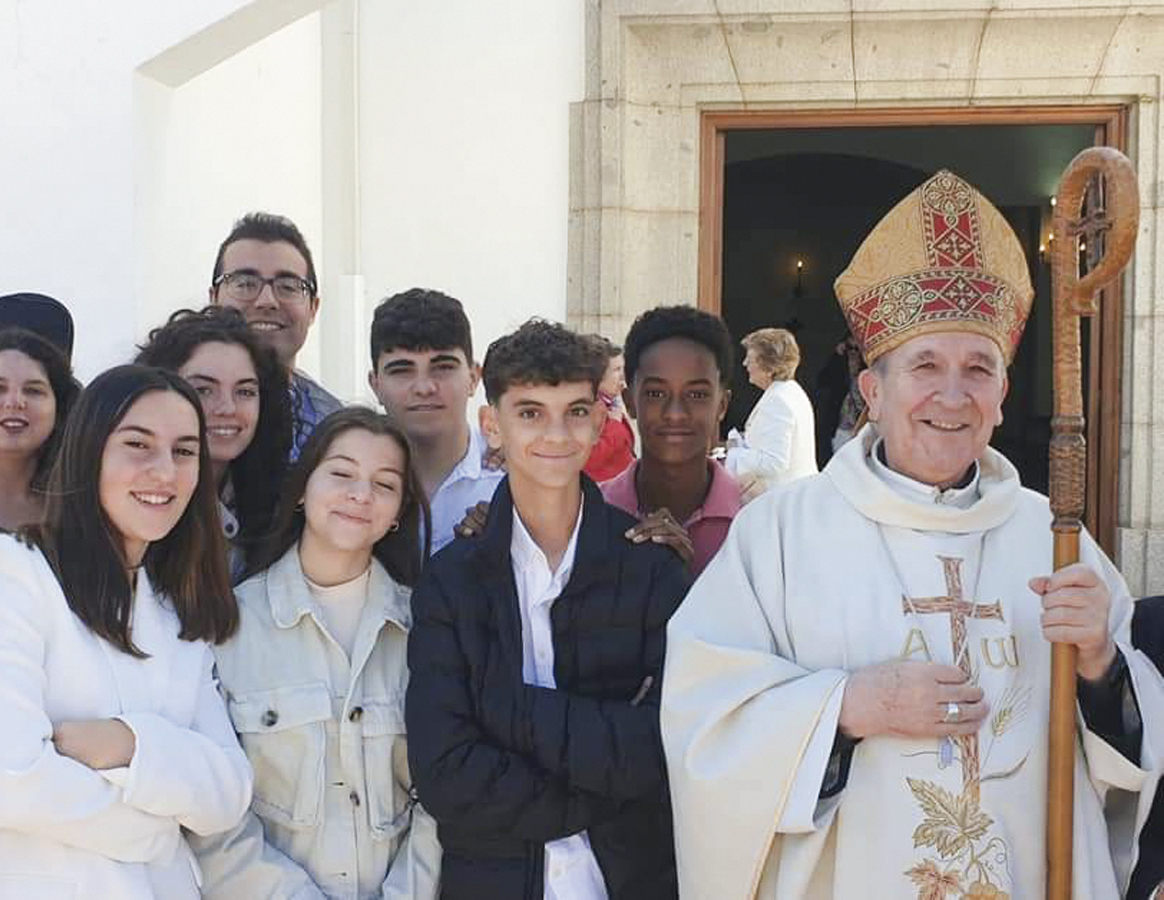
(264, 270)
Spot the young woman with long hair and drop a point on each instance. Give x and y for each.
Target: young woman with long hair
(316, 676)
(37, 389)
(247, 405)
(115, 738)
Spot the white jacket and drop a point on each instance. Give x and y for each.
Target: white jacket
(779, 438)
(334, 814)
(68, 832)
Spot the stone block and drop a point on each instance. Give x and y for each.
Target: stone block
(1136, 48)
(907, 93)
(1044, 47)
(775, 9)
(1153, 563)
(790, 50)
(1048, 91)
(660, 58)
(1139, 475)
(660, 169)
(925, 49)
(1139, 360)
(800, 94)
(1131, 558)
(659, 259)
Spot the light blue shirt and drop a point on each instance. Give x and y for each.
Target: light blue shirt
(464, 487)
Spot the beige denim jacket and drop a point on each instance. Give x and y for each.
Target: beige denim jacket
(333, 813)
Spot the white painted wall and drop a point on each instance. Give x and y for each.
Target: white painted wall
(242, 136)
(68, 178)
(121, 170)
(464, 149)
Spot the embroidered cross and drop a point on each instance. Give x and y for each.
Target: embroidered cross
(959, 610)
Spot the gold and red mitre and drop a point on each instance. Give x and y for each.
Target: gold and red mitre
(943, 259)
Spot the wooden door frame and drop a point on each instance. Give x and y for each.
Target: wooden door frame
(1106, 350)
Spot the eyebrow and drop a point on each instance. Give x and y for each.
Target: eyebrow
(141, 429)
(281, 273)
(649, 378)
(345, 458)
(213, 380)
(37, 381)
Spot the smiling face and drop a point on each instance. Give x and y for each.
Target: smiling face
(28, 407)
(677, 400)
(426, 390)
(149, 469)
(936, 400)
(546, 431)
(354, 495)
(283, 326)
(224, 377)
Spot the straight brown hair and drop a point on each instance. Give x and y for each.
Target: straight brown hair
(400, 552)
(187, 566)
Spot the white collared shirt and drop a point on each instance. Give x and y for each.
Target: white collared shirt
(463, 488)
(571, 871)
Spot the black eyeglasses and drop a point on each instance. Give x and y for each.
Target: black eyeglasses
(245, 287)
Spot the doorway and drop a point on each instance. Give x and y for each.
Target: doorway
(796, 194)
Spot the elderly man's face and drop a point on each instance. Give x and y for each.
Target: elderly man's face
(936, 400)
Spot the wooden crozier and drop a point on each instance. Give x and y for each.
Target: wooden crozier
(1115, 222)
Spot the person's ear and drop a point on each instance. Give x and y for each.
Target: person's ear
(474, 377)
(314, 306)
(1005, 390)
(628, 402)
(373, 381)
(725, 397)
(870, 386)
(490, 427)
(212, 294)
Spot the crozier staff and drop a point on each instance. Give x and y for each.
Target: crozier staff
(866, 715)
(115, 736)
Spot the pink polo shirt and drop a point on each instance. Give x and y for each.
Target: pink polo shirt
(707, 526)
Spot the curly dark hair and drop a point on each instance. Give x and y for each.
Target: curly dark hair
(64, 386)
(665, 322)
(257, 474)
(270, 229)
(420, 319)
(401, 552)
(541, 352)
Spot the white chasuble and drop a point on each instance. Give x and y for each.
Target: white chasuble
(856, 567)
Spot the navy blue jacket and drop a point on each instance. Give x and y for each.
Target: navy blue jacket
(505, 767)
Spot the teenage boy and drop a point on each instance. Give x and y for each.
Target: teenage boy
(423, 374)
(679, 363)
(536, 654)
(264, 270)
(678, 366)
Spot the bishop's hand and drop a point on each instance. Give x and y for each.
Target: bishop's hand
(1076, 605)
(911, 699)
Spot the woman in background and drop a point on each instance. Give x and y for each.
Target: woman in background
(37, 390)
(778, 443)
(247, 405)
(615, 448)
(115, 737)
(315, 681)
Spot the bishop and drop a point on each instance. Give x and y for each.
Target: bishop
(855, 698)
